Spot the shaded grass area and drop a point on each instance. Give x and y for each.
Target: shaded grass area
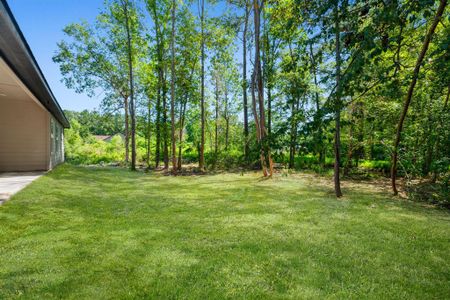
(110, 233)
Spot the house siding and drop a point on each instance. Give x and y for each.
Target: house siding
(24, 136)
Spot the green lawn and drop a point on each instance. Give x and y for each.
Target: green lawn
(109, 233)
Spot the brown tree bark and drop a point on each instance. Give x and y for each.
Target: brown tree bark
(216, 116)
(318, 115)
(160, 70)
(265, 149)
(257, 125)
(293, 134)
(131, 78)
(158, 121)
(244, 83)
(164, 121)
(409, 95)
(127, 131)
(227, 120)
(182, 118)
(149, 132)
(201, 161)
(337, 107)
(172, 92)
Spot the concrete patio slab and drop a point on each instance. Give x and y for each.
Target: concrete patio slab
(12, 182)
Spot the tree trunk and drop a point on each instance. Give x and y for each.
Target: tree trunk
(165, 129)
(318, 115)
(183, 106)
(201, 162)
(408, 98)
(226, 117)
(292, 136)
(265, 149)
(149, 132)
(160, 71)
(267, 73)
(158, 121)
(130, 73)
(127, 131)
(244, 84)
(216, 117)
(172, 91)
(269, 109)
(337, 107)
(257, 125)
(182, 118)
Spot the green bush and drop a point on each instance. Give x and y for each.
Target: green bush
(376, 165)
(92, 151)
(224, 160)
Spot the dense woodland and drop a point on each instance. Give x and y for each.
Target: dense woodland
(325, 85)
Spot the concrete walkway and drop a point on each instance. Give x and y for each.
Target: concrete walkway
(11, 183)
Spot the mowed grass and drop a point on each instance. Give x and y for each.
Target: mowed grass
(103, 233)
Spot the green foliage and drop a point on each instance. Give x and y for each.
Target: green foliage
(376, 165)
(91, 151)
(379, 45)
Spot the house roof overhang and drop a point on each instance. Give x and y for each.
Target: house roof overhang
(16, 52)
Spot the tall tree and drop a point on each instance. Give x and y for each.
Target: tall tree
(172, 91)
(160, 10)
(201, 162)
(266, 159)
(126, 12)
(98, 57)
(244, 81)
(426, 43)
(337, 104)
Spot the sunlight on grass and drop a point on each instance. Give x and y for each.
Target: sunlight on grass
(110, 233)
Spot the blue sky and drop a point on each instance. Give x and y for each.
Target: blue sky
(42, 21)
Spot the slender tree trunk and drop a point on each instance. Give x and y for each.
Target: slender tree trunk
(130, 70)
(172, 91)
(317, 116)
(259, 85)
(257, 125)
(244, 84)
(160, 71)
(337, 106)
(269, 109)
(127, 131)
(361, 134)
(164, 121)
(267, 73)
(183, 106)
(216, 117)
(292, 136)
(201, 162)
(158, 121)
(227, 121)
(182, 118)
(149, 132)
(409, 95)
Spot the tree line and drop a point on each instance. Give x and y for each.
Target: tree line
(272, 82)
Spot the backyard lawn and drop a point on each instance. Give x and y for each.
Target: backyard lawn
(104, 233)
